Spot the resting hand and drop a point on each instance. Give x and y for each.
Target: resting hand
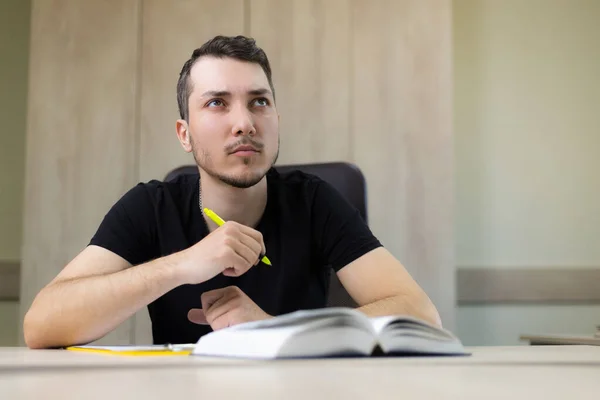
(226, 307)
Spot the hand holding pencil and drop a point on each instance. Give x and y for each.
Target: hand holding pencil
(232, 249)
(219, 221)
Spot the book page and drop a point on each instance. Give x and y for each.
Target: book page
(380, 323)
(298, 318)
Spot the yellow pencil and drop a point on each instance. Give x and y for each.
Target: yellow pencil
(219, 221)
(133, 352)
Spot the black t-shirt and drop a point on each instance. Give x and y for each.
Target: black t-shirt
(308, 228)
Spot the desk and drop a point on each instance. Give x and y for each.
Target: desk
(522, 372)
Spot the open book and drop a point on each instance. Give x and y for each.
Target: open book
(329, 332)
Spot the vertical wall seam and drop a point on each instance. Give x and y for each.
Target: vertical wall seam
(351, 39)
(137, 139)
(247, 29)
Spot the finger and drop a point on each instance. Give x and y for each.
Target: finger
(238, 259)
(236, 244)
(212, 297)
(197, 316)
(238, 265)
(233, 239)
(221, 307)
(232, 272)
(208, 298)
(254, 246)
(232, 262)
(223, 321)
(254, 234)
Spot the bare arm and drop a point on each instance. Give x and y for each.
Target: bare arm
(93, 294)
(381, 286)
(98, 289)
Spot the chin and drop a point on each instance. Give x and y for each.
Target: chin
(239, 172)
(244, 177)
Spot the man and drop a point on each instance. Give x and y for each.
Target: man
(157, 248)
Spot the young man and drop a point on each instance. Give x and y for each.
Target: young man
(157, 248)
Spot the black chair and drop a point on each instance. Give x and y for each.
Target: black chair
(344, 177)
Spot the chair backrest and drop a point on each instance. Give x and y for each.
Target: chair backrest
(345, 178)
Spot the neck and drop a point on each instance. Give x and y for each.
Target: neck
(244, 206)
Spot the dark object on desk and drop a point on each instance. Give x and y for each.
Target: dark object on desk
(346, 178)
(538, 340)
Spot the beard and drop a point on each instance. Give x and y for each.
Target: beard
(241, 181)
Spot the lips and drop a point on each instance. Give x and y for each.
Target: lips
(244, 148)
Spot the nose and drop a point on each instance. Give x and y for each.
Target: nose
(242, 122)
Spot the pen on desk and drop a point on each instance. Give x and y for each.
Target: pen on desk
(219, 221)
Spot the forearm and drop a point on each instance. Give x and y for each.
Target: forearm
(85, 309)
(421, 308)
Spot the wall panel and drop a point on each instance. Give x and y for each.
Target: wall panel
(171, 32)
(308, 45)
(401, 120)
(81, 131)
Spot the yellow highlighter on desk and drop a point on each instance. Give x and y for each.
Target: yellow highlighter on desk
(219, 221)
(125, 350)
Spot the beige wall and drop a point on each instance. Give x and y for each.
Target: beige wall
(9, 320)
(374, 78)
(14, 47)
(82, 131)
(525, 88)
(527, 91)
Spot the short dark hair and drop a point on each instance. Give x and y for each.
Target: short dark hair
(238, 47)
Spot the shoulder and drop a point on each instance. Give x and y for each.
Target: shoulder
(315, 187)
(293, 178)
(293, 186)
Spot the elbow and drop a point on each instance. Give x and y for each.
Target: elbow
(35, 327)
(34, 339)
(38, 335)
(435, 318)
(45, 328)
(430, 312)
(420, 306)
(33, 343)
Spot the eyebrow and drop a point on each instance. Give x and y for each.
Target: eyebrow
(225, 93)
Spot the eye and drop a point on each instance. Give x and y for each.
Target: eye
(260, 102)
(215, 103)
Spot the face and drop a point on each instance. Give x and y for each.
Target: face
(233, 127)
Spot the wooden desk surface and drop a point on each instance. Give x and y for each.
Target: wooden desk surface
(521, 372)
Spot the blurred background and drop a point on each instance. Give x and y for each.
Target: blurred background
(475, 122)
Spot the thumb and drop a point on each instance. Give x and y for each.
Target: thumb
(197, 316)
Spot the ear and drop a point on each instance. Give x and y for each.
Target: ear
(183, 134)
